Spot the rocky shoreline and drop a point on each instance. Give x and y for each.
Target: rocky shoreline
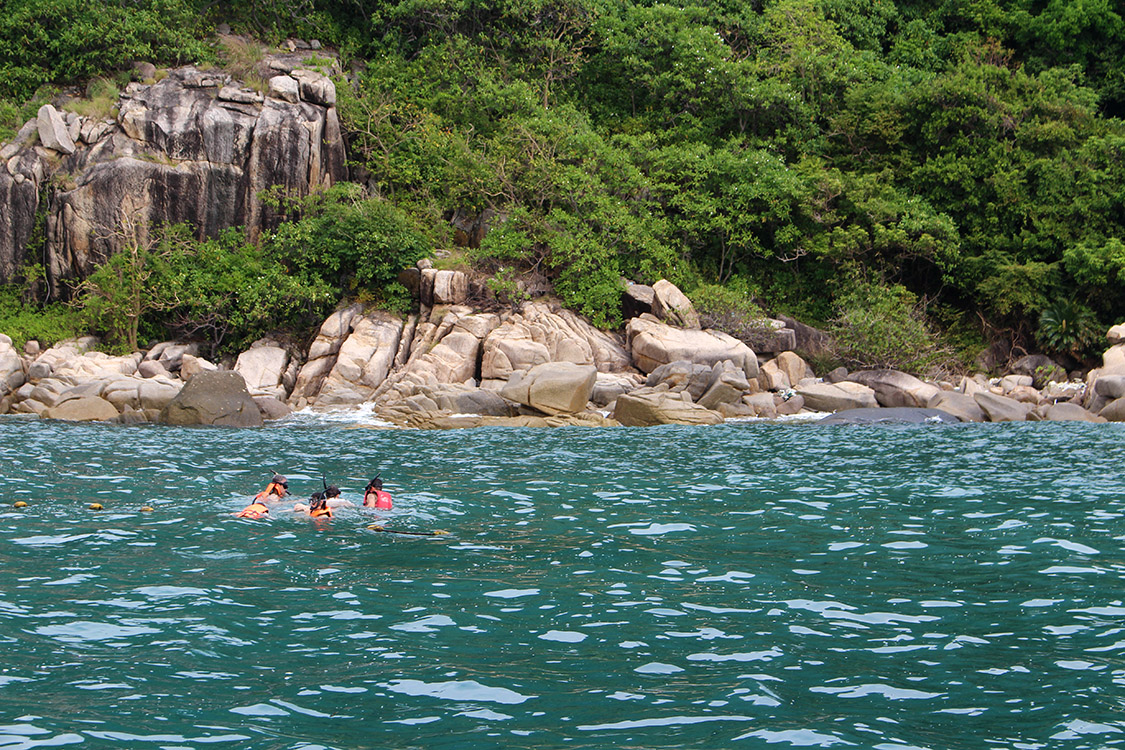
(451, 366)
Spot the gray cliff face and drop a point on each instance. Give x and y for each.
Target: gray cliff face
(192, 148)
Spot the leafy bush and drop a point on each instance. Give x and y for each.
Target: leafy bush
(1067, 327)
(229, 293)
(732, 310)
(348, 241)
(47, 324)
(879, 326)
(122, 291)
(63, 41)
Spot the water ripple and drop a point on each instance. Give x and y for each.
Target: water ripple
(661, 587)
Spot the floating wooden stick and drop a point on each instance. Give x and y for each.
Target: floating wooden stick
(435, 532)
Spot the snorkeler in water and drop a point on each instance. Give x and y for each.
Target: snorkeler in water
(317, 507)
(277, 489)
(375, 497)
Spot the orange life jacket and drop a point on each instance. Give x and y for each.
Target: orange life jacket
(272, 489)
(254, 510)
(319, 512)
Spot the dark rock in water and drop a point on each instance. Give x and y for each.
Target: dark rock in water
(213, 397)
(894, 415)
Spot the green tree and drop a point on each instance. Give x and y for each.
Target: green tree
(351, 242)
(117, 296)
(228, 292)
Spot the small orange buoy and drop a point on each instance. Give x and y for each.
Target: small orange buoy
(95, 506)
(146, 509)
(19, 504)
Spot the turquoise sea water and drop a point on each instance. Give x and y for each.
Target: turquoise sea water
(742, 586)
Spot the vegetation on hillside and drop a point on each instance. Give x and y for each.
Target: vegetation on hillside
(908, 174)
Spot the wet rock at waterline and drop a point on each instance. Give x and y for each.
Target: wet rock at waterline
(213, 398)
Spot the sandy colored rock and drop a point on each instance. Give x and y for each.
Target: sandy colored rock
(647, 407)
(833, 397)
(84, 409)
(262, 367)
(894, 388)
(553, 387)
(1001, 408)
(672, 306)
(1070, 413)
(960, 405)
(540, 333)
(654, 343)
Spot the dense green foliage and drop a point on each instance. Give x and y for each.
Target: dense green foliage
(223, 291)
(879, 326)
(23, 321)
(57, 42)
(349, 242)
(818, 156)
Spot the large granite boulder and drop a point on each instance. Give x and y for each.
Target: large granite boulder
(213, 397)
(1105, 389)
(190, 366)
(139, 393)
(263, 366)
(463, 399)
(1067, 412)
(962, 405)
(272, 407)
(1001, 408)
(540, 333)
(772, 378)
(12, 374)
(1040, 368)
(53, 131)
(170, 354)
(795, 368)
(835, 397)
(894, 388)
(364, 360)
(76, 359)
(808, 340)
(444, 287)
(84, 409)
(610, 385)
(1114, 411)
(322, 355)
(761, 405)
(194, 147)
(727, 386)
(654, 343)
(672, 306)
(553, 387)
(646, 407)
(443, 349)
(682, 375)
(636, 300)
